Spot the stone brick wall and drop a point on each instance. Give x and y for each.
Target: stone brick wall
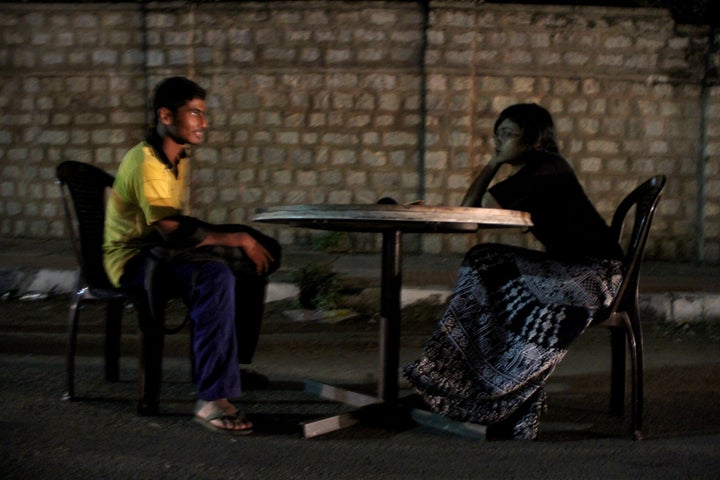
(347, 102)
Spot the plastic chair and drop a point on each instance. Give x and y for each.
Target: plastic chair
(84, 190)
(624, 318)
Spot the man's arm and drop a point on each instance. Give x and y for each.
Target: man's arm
(198, 236)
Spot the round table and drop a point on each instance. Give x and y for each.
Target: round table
(392, 220)
(383, 218)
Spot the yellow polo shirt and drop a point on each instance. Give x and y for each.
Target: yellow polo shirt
(145, 191)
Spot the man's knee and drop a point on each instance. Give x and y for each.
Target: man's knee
(217, 274)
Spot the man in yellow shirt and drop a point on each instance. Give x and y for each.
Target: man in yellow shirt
(147, 208)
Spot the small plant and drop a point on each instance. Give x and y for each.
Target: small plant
(319, 286)
(330, 241)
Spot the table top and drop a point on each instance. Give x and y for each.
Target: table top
(384, 217)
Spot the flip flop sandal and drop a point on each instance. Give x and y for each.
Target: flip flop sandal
(224, 417)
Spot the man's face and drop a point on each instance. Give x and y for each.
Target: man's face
(188, 125)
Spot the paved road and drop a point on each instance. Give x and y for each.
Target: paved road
(100, 437)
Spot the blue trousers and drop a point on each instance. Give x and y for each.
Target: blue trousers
(208, 289)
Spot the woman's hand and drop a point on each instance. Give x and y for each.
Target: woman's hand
(474, 195)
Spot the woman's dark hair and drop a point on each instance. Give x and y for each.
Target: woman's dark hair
(538, 129)
(173, 93)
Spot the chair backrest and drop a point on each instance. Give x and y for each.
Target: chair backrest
(645, 199)
(84, 188)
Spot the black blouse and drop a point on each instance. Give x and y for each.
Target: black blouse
(564, 219)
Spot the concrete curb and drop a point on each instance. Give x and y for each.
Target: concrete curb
(681, 307)
(670, 306)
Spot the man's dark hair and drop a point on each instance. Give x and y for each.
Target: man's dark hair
(538, 129)
(173, 93)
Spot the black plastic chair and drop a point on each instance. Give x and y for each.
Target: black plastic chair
(84, 192)
(624, 318)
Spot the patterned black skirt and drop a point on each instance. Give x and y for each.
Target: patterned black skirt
(509, 322)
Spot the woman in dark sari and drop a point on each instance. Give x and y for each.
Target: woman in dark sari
(515, 311)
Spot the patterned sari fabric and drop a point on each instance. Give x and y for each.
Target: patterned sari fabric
(509, 322)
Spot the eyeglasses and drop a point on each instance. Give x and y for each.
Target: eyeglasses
(506, 134)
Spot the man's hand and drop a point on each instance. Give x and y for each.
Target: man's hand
(252, 248)
(257, 253)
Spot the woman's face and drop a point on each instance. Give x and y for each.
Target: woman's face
(508, 142)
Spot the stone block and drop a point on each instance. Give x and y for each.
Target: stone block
(687, 308)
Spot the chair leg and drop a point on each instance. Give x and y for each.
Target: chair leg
(113, 322)
(193, 371)
(71, 347)
(638, 396)
(638, 379)
(150, 355)
(617, 372)
(150, 372)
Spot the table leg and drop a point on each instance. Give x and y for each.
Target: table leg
(389, 354)
(391, 286)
